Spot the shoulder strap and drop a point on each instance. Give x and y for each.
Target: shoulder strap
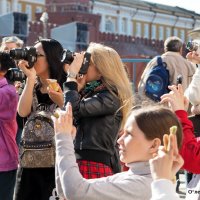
(35, 100)
(160, 62)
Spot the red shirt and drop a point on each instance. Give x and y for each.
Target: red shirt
(190, 149)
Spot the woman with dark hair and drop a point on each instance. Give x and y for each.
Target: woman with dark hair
(37, 180)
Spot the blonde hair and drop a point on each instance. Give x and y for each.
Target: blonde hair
(114, 76)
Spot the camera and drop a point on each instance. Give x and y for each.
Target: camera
(8, 64)
(28, 53)
(193, 46)
(15, 74)
(179, 79)
(68, 57)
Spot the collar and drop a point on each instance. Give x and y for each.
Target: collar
(3, 82)
(139, 168)
(172, 53)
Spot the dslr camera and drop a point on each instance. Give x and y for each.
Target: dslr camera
(13, 73)
(8, 64)
(28, 53)
(68, 57)
(193, 46)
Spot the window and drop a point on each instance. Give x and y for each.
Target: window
(161, 33)
(182, 35)
(124, 25)
(38, 9)
(8, 6)
(175, 32)
(19, 7)
(29, 11)
(153, 32)
(146, 30)
(109, 26)
(168, 32)
(138, 29)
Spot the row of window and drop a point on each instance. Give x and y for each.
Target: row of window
(143, 30)
(28, 9)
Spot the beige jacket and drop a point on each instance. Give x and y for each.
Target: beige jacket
(176, 64)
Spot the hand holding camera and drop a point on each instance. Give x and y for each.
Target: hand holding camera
(80, 62)
(76, 64)
(29, 72)
(193, 57)
(194, 54)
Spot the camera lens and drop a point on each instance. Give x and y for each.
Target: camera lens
(28, 53)
(15, 74)
(18, 54)
(67, 57)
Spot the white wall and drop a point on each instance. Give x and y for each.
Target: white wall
(131, 14)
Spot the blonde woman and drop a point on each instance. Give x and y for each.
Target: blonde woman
(101, 100)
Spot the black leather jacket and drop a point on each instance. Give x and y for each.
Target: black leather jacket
(97, 120)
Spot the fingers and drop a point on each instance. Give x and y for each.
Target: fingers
(170, 147)
(23, 64)
(63, 115)
(176, 152)
(66, 67)
(180, 89)
(165, 142)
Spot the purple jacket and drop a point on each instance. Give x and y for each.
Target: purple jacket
(8, 126)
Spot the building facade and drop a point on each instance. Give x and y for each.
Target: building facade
(135, 28)
(30, 7)
(144, 19)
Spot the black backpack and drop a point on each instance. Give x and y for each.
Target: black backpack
(157, 81)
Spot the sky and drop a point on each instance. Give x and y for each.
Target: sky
(192, 5)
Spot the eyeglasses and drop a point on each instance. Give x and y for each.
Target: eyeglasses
(40, 55)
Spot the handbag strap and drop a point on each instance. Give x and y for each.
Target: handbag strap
(35, 100)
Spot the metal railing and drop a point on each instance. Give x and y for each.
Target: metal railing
(134, 62)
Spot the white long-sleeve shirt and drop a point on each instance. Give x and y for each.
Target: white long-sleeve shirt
(163, 189)
(133, 184)
(193, 90)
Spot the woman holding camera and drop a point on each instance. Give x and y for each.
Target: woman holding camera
(38, 182)
(101, 100)
(8, 130)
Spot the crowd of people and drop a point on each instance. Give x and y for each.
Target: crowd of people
(66, 134)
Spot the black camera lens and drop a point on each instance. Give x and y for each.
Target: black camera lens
(29, 54)
(15, 74)
(6, 61)
(67, 56)
(18, 54)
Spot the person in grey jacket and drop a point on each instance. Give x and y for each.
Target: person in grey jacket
(142, 136)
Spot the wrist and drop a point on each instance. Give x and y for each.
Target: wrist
(72, 74)
(31, 78)
(71, 79)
